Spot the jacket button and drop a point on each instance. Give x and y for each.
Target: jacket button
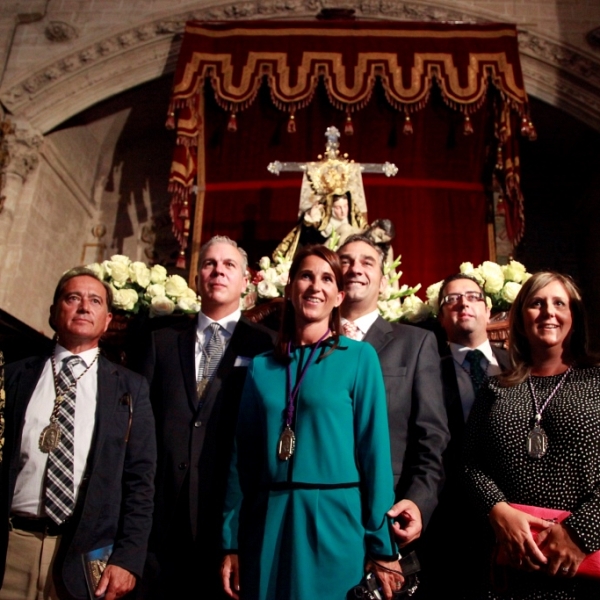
(198, 424)
(182, 466)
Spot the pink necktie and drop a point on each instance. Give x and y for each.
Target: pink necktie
(351, 330)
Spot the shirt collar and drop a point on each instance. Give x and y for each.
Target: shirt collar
(228, 323)
(459, 352)
(364, 322)
(60, 353)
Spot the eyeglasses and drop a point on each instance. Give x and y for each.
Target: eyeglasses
(452, 299)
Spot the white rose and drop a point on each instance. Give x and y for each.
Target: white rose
(494, 278)
(271, 275)
(118, 271)
(120, 258)
(125, 299)
(510, 290)
(175, 286)
(248, 301)
(414, 309)
(282, 280)
(190, 295)
(188, 304)
(139, 274)
(466, 268)
(158, 274)
(264, 263)
(155, 289)
(477, 276)
(96, 268)
(161, 306)
(526, 276)
(514, 271)
(266, 289)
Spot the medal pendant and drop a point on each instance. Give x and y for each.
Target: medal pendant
(50, 437)
(201, 387)
(537, 442)
(287, 444)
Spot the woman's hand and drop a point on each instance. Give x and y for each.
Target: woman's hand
(563, 553)
(389, 575)
(515, 540)
(230, 575)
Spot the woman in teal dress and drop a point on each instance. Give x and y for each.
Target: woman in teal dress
(311, 480)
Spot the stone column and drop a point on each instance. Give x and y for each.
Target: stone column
(22, 145)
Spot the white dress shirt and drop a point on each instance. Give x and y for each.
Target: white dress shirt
(204, 333)
(28, 498)
(363, 323)
(462, 367)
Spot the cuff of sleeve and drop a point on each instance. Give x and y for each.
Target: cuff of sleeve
(383, 557)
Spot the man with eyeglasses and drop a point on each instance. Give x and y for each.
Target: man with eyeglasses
(464, 315)
(469, 358)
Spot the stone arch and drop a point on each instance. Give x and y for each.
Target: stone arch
(555, 73)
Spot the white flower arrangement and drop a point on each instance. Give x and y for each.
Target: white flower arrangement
(137, 287)
(395, 303)
(501, 283)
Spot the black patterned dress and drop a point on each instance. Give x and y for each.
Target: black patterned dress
(567, 477)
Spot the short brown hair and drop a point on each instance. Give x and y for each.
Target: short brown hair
(78, 272)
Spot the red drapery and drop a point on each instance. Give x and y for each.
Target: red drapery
(381, 81)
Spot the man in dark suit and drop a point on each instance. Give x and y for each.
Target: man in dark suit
(411, 371)
(79, 458)
(197, 376)
(466, 360)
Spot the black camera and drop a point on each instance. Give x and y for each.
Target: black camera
(370, 589)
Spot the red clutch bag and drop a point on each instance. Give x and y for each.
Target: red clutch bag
(590, 567)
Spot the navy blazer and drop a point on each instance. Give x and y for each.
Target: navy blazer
(115, 500)
(417, 417)
(196, 442)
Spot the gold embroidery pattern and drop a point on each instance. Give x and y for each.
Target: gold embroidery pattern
(237, 88)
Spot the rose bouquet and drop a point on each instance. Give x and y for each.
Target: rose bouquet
(137, 287)
(501, 283)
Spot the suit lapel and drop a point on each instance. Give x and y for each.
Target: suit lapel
(106, 402)
(226, 364)
(187, 358)
(380, 334)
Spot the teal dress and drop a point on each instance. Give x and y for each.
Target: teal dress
(304, 527)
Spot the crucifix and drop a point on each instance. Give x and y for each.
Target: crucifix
(332, 196)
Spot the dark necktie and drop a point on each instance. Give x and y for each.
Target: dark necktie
(476, 371)
(210, 358)
(60, 487)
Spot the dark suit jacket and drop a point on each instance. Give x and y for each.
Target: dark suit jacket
(417, 418)
(196, 444)
(452, 540)
(114, 505)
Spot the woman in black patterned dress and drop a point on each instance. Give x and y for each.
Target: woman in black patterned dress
(533, 438)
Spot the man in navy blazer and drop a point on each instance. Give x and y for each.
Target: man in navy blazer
(464, 316)
(112, 470)
(411, 371)
(195, 429)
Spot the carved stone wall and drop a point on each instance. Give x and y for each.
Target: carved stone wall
(80, 53)
(59, 58)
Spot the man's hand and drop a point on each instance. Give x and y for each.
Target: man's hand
(408, 525)
(230, 575)
(115, 582)
(388, 574)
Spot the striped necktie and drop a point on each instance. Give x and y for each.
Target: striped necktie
(60, 487)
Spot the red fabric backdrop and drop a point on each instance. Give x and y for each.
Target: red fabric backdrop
(438, 201)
